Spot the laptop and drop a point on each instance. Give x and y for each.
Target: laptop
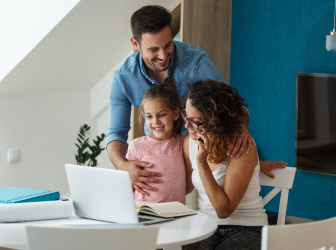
(105, 195)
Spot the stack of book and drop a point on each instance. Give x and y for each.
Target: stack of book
(24, 204)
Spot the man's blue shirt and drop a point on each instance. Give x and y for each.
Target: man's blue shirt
(188, 65)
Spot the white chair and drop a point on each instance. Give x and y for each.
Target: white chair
(304, 236)
(87, 238)
(282, 182)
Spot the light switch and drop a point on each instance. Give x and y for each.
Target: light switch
(13, 155)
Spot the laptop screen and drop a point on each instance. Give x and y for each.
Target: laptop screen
(101, 194)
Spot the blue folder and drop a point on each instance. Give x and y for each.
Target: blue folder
(20, 195)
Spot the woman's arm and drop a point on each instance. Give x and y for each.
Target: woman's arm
(237, 178)
(189, 185)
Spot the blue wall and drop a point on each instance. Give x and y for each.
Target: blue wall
(271, 42)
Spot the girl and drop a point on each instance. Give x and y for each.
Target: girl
(228, 188)
(163, 149)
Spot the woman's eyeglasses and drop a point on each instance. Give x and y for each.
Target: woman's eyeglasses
(194, 125)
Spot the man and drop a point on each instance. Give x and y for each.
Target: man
(157, 58)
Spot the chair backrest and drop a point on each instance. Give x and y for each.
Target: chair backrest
(87, 238)
(302, 236)
(282, 182)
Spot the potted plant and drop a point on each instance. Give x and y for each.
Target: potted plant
(86, 152)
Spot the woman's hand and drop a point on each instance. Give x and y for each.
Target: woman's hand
(203, 147)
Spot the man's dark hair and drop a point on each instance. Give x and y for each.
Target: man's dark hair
(151, 18)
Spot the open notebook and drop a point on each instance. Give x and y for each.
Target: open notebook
(104, 194)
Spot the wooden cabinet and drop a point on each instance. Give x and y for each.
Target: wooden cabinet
(207, 24)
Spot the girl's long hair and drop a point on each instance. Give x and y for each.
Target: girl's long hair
(166, 92)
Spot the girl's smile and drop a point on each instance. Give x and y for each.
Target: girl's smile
(159, 119)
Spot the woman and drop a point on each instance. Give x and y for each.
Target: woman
(228, 188)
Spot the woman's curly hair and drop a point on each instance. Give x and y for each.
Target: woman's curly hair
(223, 111)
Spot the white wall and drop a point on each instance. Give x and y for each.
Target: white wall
(20, 20)
(44, 127)
(43, 123)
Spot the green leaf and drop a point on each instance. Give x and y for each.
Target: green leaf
(83, 145)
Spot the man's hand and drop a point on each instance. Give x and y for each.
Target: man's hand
(267, 166)
(240, 144)
(116, 151)
(140, 176)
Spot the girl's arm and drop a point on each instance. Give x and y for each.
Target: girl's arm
(237, 178)
(189, 185)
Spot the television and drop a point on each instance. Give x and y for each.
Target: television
(316, 123)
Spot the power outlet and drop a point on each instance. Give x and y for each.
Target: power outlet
(13, 155)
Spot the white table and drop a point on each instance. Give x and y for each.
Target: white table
(172, 234)
(186, 230)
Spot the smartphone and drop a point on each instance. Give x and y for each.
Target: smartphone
(199, 138)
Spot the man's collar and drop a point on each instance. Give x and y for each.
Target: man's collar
(142, 65)
(170, 71)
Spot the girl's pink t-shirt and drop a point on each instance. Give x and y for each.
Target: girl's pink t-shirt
(167, 158)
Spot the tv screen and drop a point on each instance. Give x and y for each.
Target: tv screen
(316, 123)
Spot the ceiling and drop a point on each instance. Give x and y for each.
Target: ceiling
(80, 50)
